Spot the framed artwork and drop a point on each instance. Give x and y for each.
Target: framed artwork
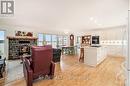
(23, 33)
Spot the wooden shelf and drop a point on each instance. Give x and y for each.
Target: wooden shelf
(20, 37)
(86, 40)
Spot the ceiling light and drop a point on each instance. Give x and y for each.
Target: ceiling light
(95, 21)
(91, 18)
(66, 32)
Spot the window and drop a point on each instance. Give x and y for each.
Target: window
(78, 39)
(78, 42)
(60, 41)
(2, 39)
(53, 40)
(65, 40)
(40, 39)
(2, 35)
(48, 39)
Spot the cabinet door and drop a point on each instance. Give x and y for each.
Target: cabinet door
(90, 57)
(99, 54)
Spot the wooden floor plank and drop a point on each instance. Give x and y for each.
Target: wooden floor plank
(70, 72)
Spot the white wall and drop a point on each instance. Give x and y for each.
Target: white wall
(114, 38)
(114, 34)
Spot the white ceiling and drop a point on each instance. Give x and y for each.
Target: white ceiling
(68, 15)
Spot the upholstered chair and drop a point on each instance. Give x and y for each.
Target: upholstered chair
(39, 64)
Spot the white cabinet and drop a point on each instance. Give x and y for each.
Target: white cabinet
(94, 55)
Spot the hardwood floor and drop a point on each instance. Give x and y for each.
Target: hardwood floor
(70, 72)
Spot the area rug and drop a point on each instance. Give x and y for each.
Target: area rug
(14, 71)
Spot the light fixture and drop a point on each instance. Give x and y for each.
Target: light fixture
(66, 32)
(91, 18)
(95, 21)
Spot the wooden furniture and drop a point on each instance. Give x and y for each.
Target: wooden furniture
(71, 40)
(86, 40)
(81, 55)
(22, 37)
(94, 55)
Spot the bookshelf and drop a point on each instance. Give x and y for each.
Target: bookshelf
(86, 40)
